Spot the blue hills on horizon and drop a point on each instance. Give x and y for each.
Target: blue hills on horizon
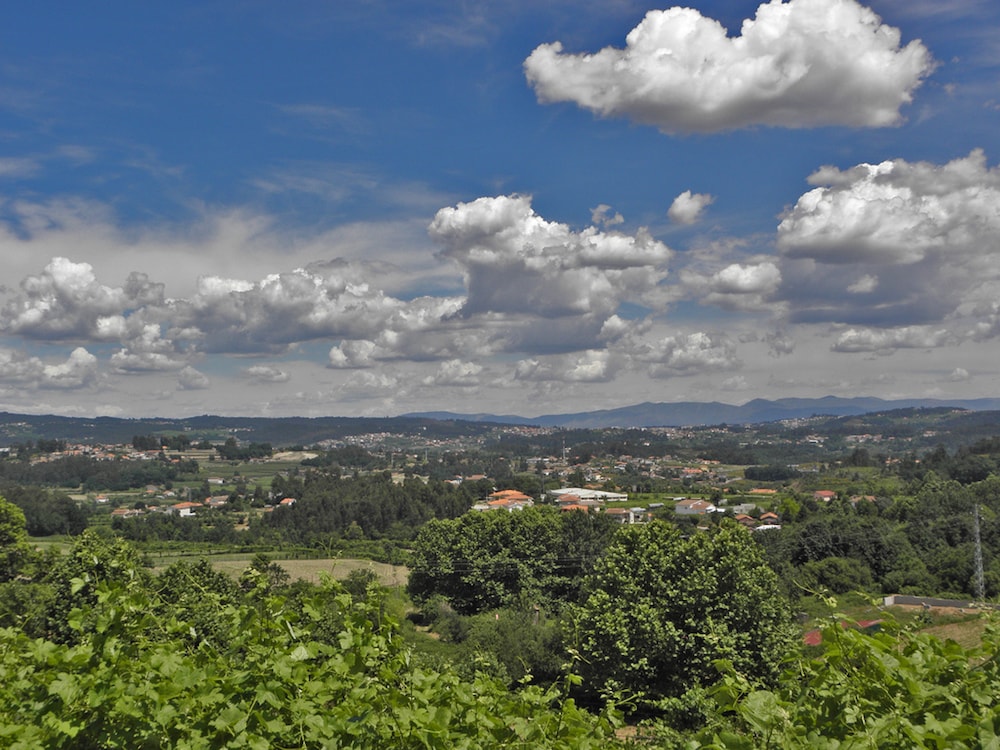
(695, 414)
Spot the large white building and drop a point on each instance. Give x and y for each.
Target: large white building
(601, 495)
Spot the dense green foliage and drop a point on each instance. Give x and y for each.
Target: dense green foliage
(483, 561)
(233, 451)
(330, 504)
(188, 660)
(660, 610)
(95, 475)
(771, 473)
(887, 689)
(14, 548)
(178, 442)
(47, 512)
(921, 542)
(670, 615)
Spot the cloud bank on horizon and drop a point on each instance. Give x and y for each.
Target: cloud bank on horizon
(801, 202)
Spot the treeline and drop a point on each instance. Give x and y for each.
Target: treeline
(179, 442)
(207, 526)
(328, 507)
(644, 609)
(47, 512)
(96, 475)
(233, 451)
(921, 542)
(331, 504)
(772, 473)
(966, 465)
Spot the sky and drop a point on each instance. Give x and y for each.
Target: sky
(375, 207)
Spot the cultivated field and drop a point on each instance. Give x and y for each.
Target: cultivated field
(312, 570)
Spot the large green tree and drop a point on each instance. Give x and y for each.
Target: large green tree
(14, 547)
(482, 561)
(661, 609)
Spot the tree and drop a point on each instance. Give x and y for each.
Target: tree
(93, 562)
(661, 609)
(47, 512)
(14, 548)
(484, 561)
(838, 574)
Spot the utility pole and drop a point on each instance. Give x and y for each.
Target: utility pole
(979, 582)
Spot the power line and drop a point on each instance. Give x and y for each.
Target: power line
(980, 585)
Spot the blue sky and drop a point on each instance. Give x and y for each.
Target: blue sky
(373, 207)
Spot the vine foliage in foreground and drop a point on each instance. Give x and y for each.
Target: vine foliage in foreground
(888, 689)
(141, 680)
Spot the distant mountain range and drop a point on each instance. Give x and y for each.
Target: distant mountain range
(689, 413)
(287, 431)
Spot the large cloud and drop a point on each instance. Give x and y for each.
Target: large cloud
(268, 315)
(455, 372)
(896, 244)
(66, 302)
(594, 366)
(738, 286)
(79, 370)
(895, 212)
(687, 354)
(804, 63)
(515, 261)
(887, 341)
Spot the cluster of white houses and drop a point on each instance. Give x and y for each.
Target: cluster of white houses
(588, 500)
(188, 508)
(569, 499)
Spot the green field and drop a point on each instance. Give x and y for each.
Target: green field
(312, 570)
(234, 563)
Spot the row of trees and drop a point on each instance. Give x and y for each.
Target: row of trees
(329, 504)
(645, 610)
(94, 475)
(922, 542)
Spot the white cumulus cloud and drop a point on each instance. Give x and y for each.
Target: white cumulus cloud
(594, 366)
(64, 301)
(515, 262)
(78, 370)
(914, 243)
(687, 354)
(886, 341)
(352, 354)
(455, 372)
(266, 374)
(688, 207)
(894, 212)
(801, 63)
(738, 286)
(190, 379)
